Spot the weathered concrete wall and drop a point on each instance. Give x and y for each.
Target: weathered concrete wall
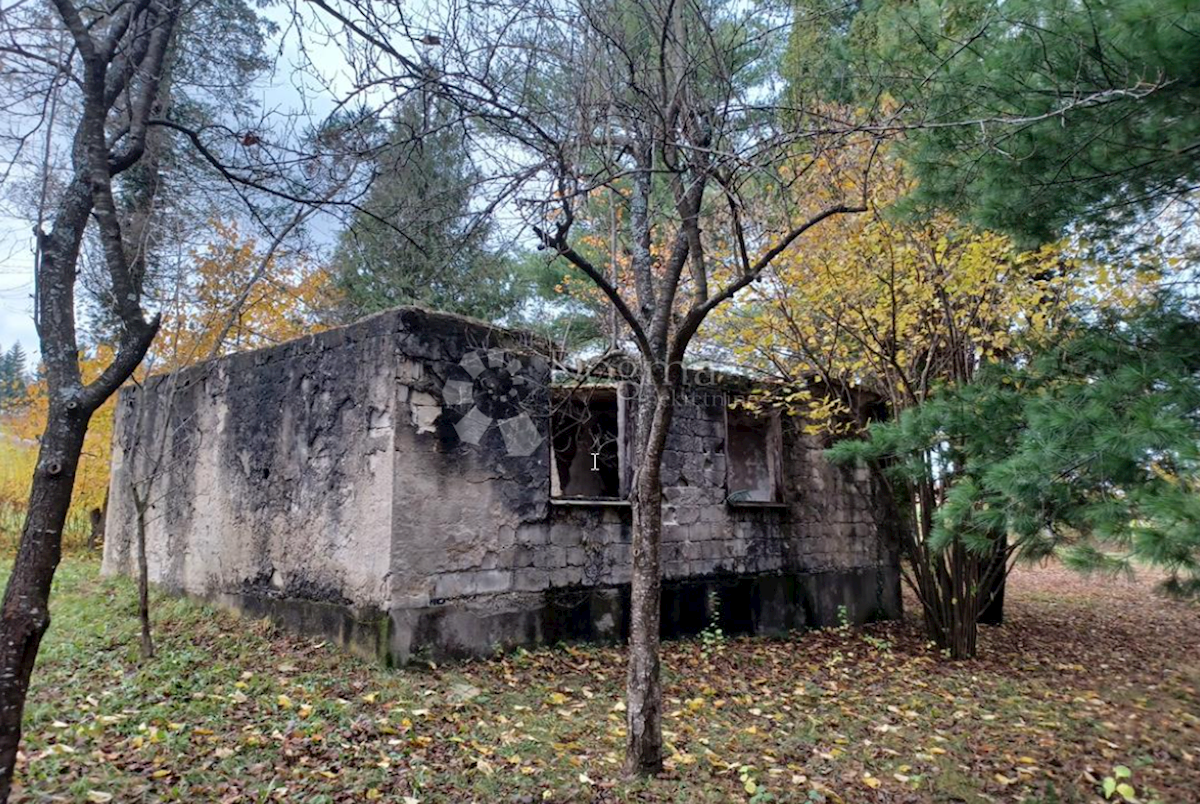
(827, 545)
(275, 471)
(388, 483)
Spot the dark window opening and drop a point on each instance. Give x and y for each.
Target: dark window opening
(875, 412)
(753, 447)
(588, 455)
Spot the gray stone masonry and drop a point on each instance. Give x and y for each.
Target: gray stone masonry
(388, 484)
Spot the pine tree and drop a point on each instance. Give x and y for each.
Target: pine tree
(1027, 115)
(4, 376)
(13, 376)
(420, 239)
(1090, 448)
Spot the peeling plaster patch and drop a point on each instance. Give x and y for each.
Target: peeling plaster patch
(409, 371)
(425, 411)
(458, 392)
(473, 364)
(381, 419)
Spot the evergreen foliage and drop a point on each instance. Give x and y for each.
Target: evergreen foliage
(1081, 111)
(13, 376)
(173, 193)
(1091, 446)
(419, 238)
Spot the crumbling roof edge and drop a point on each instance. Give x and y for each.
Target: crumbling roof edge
(534, 341)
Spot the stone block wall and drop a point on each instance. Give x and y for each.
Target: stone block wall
(388, 484)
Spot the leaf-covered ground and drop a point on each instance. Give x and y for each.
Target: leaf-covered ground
(1087, 676)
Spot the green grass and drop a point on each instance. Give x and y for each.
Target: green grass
(12, 517)
(234, 710)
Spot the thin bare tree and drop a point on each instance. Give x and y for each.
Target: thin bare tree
(117, 59)
(96, 84)
(668, 109)
(146, 446)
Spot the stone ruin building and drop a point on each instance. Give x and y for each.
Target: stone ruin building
(414, 487)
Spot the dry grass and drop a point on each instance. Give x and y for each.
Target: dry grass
(1087, 675)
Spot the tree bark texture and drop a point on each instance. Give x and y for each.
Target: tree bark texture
(996, 580)
(147, 643)
(643, 717)
(98, 518)
(117, 64)
(26, 614)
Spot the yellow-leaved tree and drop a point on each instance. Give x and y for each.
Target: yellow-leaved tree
(19, 443)
(240, 294)
(894, 307)
(234, 294)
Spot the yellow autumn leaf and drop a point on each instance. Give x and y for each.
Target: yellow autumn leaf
(876, 298)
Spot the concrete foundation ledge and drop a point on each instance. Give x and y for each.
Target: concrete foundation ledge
(363, 633)
(481, 626)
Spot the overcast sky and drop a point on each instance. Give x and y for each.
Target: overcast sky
(16, 284)
(16, 238)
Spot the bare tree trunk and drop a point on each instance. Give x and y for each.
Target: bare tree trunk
(964, 602)
(98, 517)
(995, 579)
(95, 517)
(143, 579)
(643, 719)
(955, 598)
(962, 637)
(26, 612)
(25, 615)
(949, 583)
